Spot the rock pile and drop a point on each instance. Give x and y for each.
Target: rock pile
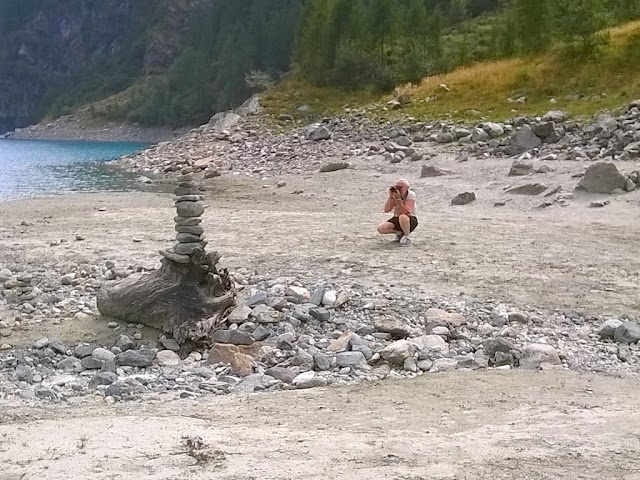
(284, 335)
(189, 207)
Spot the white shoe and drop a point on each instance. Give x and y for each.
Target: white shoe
(398, 239)
(405, 242)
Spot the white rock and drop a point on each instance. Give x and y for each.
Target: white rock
(168, 358)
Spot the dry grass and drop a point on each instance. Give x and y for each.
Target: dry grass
(606, 80)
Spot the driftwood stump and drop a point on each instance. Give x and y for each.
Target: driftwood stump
(187, 297)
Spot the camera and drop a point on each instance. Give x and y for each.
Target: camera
(394, 190)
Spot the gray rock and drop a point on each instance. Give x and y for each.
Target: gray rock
(102, 355)
(398, 351)
(317, 296)
(464, 198)
(90, 363)
(603, 177)
(537, 354)
(108, 366)
(42, 343)
(258, 297)
(136, 358)
(429, 171)
(522, 140)
(444, 364)
(318, 133)
(493, 345)
(168, 358)
(170, 344)
(410, 365)
(320, 314)
(424, 365)
(261, 333)
(393, 326)
(444, 137)
(309, 380)
(124, 343)
(520, 169)
(334, 167)
(223, 121)
(502, 359)
(404, 141)
(280, 373)
(365, 350)
(102, 378)
(528, 189)
(555, 116)
(57, 346)
(354, 360)
(494, 130)
(69, 364)
(479, 135)
(233, 337)
(430, 344)
(322, 362)
(189, 209)
(304, 360)
(628, 332)
(125, 387)
(608, 328)
(24, 374)
(255, 382)
(82, 351)
(544, 129)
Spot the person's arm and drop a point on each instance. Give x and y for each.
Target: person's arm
(390, 205)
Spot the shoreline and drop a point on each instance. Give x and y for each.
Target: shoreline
(74, 128)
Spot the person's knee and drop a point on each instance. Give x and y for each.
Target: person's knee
(381, 229)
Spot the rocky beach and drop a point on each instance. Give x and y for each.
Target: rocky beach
(525, 260)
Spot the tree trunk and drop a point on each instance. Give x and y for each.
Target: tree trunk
(189, 301)
(187, 297)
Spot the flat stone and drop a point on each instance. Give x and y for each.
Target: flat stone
(261, 333)
(184, 221)
(136, 358)
(528, 189)
(233, 337)
(429, 171)
(69, 364)
(190, 229)
(257, 297)
(438, 317)
(170, 344)
(521, 168)
(188, 238)
(189, 209)
(187, 248)
(102, 378)
(90, 363)
(174, 257)
(279, 373)
(430, 344)
(334, 167)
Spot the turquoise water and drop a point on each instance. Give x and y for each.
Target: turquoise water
(35, 168)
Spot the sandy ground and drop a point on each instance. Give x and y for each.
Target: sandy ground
(500, 425)
(488, 425)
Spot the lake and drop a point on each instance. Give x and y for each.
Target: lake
(36, 168)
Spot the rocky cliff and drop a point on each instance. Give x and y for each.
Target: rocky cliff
(46, 46)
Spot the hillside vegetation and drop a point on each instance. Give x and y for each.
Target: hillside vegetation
(562, 77)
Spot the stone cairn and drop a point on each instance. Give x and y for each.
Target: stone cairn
(190, 237)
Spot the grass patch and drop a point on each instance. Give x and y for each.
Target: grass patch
(582, 85)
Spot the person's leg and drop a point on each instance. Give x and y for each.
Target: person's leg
(391, 226)
(405, 224)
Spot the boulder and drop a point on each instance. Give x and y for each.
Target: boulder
(431, 171)
(522, 140)
(435, 317)
(398, 351)
(224, 121)
(168, 358)
(317, 133)
(528, 189)
(555, 116)
(521, 169)
(444, 137)
(354, 360)
(250, 107)
(608, 328)
(537, 354)
(431, 344)
(494, 130)
(479, 135)
(135, 358)
(334, 167)
(464, 198)
(393, 326)
(241, 364)
(602, 177)
(628, 332)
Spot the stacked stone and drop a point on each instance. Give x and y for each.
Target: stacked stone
(189, 206)
(24, 287)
